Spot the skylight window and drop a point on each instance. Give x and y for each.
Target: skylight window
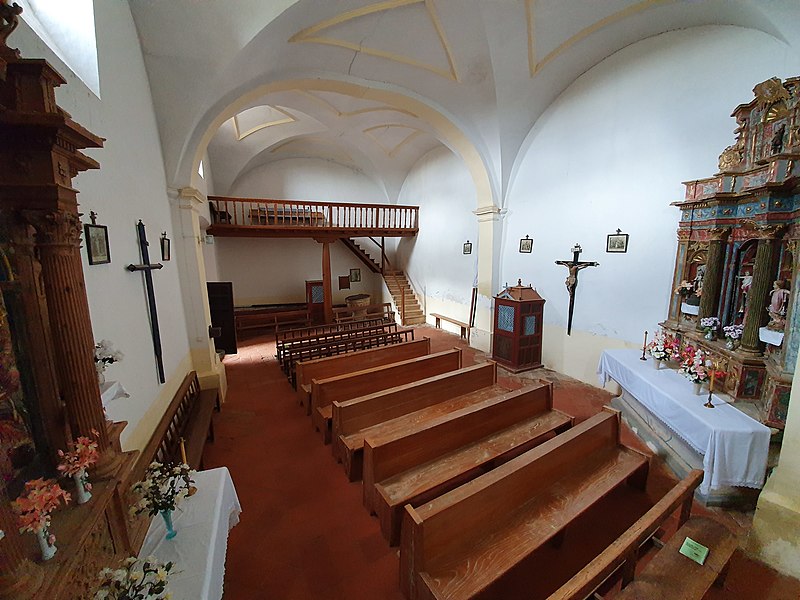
(200, 170)
(68, 29)
(259, 117)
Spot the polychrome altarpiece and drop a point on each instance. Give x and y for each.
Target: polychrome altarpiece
(737, 250)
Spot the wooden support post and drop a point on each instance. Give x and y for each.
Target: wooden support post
(326, 281)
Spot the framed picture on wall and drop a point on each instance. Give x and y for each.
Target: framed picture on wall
(355, 275)
(344, 282)
(166, 251)
(526, 245)
(467, 248)
(617, 242)
(97, 244)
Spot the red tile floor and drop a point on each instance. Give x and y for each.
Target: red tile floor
(304, 533)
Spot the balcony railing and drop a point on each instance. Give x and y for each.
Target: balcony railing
(238, 216)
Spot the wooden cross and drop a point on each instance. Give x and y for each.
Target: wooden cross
(147, 269)
(571, 282)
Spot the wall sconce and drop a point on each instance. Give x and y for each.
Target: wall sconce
(526, 245)
(467, 248)
(166, 251)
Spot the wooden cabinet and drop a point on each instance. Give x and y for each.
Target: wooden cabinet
(518, 316)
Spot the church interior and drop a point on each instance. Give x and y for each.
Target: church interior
(400, 299)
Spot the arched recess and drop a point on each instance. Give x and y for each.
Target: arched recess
(444, 128)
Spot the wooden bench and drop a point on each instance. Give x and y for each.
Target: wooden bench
(388, 336)
(352, 420)
(352, 385)
(188, 416)
(346, 313)
(322, 368)
(460, 543)
(618, 561)
(464, 326)
(413, 465)
(670, 574)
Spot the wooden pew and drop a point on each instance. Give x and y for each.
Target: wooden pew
(322, 368)
(353, 419)
(263, 318)
(412, 465)
(349, 330)
(619, 559)
(458, 544)
(387, 337)
(352, 385)
(286, 335)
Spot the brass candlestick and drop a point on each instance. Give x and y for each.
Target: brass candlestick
(643, 357)
(708, 403)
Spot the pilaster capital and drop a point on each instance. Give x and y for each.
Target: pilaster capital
(489, 213)
(187, 198)
(718, 234)
(55, 228)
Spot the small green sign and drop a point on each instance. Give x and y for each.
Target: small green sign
(694, 550)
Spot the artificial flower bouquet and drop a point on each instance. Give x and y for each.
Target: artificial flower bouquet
(135, 580)
(163, 486)
(75, 462)
(693, 366)
(661, 346)
(104, 355)
(733, 332)
(33, 507)
(709, 325)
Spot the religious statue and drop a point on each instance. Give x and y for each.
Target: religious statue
(779, 297)
(574, 266)
(777, 139)
(747, 282)
(9, 19)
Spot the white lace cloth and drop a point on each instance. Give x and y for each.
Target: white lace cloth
(734, 446)
(198, 551)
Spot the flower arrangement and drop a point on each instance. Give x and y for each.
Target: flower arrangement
(136, 580)
(693, 366)
(163, 486)
(660, 347)
(40, 498)
(75, 462)
(733, 332)
(710, 326)
(685, 289)
(104, 355)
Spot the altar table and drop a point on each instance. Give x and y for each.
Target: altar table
(198, 551)
(734, 446)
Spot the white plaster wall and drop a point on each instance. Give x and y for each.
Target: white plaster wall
(274, 270)
(442, 276)
(611, 152)
(130, 185)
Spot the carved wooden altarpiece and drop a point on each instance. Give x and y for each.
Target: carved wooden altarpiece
(737, 236)
(49, 392)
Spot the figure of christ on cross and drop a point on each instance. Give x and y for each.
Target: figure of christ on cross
(571, 282)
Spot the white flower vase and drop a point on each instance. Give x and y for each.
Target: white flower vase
(698, 389)
(730, 344)
(83, 495)
(48, 549)
(657, 364)
(101, 377)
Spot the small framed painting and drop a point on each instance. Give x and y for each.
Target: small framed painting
(467, 248)
(617, 242)
(97, 244)
(355, 275)
(344, 282)
(526, 245)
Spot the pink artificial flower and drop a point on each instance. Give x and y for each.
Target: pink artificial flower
(51, 539)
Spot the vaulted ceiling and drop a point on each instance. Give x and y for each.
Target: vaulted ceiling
(376, 85)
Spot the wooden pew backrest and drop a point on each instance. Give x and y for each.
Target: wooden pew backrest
(370, 409)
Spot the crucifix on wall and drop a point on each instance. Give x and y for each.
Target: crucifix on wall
(571, 282)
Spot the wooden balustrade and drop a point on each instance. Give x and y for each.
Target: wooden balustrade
(258, 216)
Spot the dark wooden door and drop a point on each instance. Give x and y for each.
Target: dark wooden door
(220, 302)
(315, 297)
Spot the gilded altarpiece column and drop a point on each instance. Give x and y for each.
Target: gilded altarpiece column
(763, 276)
(709, 300)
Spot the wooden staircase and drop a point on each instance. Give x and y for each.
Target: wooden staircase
(362, 255)
(399, 287)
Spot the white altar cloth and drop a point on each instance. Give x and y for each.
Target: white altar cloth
(734, 446)
(198, 551)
